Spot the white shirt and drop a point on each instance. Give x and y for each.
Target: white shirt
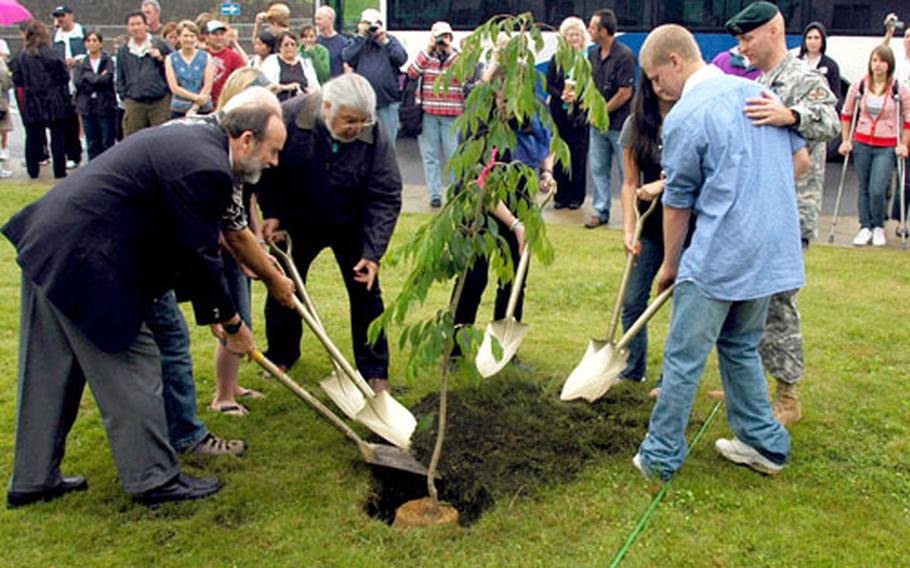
(63, 36)
(272, 70)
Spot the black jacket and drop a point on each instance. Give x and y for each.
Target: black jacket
(573, 116)
(95, 91)
(42, 80)
(112, 237)
(380, 64)
(321, 185)
(142, 78)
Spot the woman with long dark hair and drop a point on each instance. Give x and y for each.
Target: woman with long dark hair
(96, 101)
(43, 79)
(812, 51)
(640, 139)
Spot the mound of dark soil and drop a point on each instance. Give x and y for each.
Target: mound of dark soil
(506, 438)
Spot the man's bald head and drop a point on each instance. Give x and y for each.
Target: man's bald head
(766, 45)
(666, 40)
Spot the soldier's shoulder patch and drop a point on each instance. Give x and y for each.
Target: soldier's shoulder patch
(818, 94)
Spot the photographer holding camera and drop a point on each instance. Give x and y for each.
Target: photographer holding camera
(378, 57)
(439, 110)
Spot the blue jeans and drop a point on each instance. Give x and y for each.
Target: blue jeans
(873, 168)
(99, 132)
(698, 324)
(640, 282)
(436, 132)
(240, 287)
(172, 336)
(600, 156)
(388, 115)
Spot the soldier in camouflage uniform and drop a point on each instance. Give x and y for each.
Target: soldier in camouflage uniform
(801, 101)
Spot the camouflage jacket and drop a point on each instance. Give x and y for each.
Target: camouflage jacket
(805, 91)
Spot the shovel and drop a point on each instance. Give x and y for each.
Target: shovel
(596, 373)
(343, 392)
(603, 361)
(376, 454)
(381, 413)
(508, 332)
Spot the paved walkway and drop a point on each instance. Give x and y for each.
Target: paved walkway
(416, 200)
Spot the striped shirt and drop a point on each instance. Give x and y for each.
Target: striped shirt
(449, 101)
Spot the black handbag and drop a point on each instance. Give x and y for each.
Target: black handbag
(410, 113)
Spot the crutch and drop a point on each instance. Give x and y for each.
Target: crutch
(901, 169)
(843, 171)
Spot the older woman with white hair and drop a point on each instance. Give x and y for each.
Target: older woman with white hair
(337, 186)
(570, 119)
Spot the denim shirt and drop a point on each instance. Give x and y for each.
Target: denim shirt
(738, 178)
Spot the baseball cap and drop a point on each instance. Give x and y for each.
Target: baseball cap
(60, 10)
(215, 25)
(371, 16)
(440, 29)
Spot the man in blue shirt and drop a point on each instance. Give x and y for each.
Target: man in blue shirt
(738, 179)
(330, 39)
(378, 56)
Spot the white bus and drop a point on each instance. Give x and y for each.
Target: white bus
(854, 27)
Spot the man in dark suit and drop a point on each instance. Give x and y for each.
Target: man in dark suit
(95, 251)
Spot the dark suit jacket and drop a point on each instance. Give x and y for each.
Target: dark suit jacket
(112, 237)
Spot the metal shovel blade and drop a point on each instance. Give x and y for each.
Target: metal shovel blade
(376, 454)
(510, 333)
(395, 458)
(388, 418)
(598, 370)
(344, 393)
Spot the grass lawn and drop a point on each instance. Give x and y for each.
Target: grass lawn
(297, 497)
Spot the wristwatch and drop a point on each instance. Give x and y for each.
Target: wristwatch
(232, 328)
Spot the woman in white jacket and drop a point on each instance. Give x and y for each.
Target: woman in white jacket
(291, 73)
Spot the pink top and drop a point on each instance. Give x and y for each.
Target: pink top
(881, 130)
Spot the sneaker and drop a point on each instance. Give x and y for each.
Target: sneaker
(862, 237)
(743, 454)
(901, 232)
(878, 237)
(4, 154)
(5, 174)
(212, 445)
(636, 461)
(436, 202)
(71, 165)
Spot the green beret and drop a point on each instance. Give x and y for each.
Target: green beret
(752, 16)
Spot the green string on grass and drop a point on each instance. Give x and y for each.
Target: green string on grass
(643, 522)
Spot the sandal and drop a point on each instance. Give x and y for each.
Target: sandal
(212, 445)
(248, 393)
(230, 409)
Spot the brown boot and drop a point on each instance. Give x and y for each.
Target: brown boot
(785, 408)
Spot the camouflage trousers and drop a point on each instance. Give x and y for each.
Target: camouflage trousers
(809, 189)
(781, 347)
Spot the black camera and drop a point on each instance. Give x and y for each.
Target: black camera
(373, 28)
(441, 41)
